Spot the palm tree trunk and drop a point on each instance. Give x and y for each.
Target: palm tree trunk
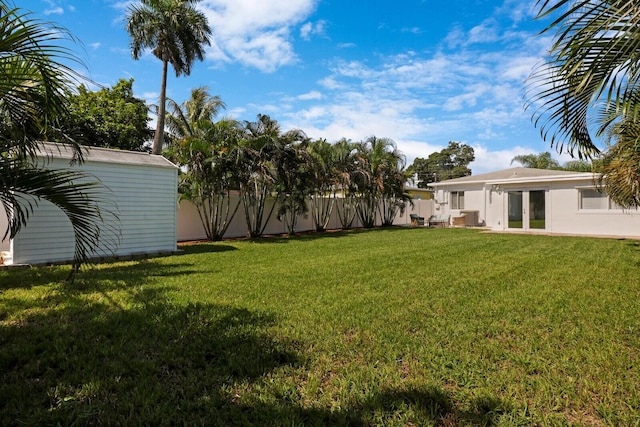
(158, 138)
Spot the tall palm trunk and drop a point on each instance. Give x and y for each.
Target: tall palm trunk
(158, 138)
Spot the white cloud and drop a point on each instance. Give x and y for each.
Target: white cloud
(488, 161)
(256, 34)
(487, 32)
(305, 31)
(95, 45)
(56, 10)
(310, 29)
(313, 95)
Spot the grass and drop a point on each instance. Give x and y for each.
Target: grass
(384, 327)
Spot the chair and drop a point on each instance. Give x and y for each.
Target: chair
(416, 220)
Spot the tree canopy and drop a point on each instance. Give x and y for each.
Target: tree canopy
(451, 162)
(545, 161)
(109, 118)
(589, 87)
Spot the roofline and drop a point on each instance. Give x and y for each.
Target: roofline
(554, 178)
(65, 151)
(578, 176)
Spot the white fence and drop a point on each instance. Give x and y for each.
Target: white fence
(189, 226)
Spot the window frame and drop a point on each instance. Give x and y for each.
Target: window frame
(606, 205)
(456, 197)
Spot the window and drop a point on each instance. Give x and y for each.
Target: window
(591, 199)
(457, 200)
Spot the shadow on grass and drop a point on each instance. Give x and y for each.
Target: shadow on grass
(204, 248)
(328, 234)
(158, 363)
(104, 276)
(97, 364)
(428, 406)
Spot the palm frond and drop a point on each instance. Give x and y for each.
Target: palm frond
(83, 200)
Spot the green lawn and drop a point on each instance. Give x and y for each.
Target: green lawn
(383, 327)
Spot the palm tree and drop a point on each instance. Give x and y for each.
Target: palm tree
(592, 72)
(177, 33)
(256, 172)
(184, 119)
(379, 162)
(620, 165)
(205, 148)
(324, 181)
(345, 166)
(33, 84)
(537, 161)
(294, 177)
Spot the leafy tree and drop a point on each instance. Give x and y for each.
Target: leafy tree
(451, 162)
(34, 81)
(592, 72)
(177, 33)
(110, 118)
(578, 166)
(545, 161)
(205, 148)
(537, 161)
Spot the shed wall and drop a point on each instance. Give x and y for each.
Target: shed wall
(145, 200)
(5, 244)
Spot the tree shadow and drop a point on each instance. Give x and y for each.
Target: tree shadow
(328, 234)
(204, 248)
(99, 364)
(101, 277)
(159, 363)
(415, 406)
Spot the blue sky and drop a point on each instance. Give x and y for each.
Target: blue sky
(420, 72)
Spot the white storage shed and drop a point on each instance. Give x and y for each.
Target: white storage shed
(142, 188)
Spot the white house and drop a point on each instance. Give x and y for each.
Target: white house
(141, 189)
(536, 200)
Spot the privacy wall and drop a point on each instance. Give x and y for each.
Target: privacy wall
(190, 226)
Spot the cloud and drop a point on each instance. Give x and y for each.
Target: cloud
(95, 45)
(56, 10)
(313, 95)
(256, 34)
(488, 161)
(310, 29)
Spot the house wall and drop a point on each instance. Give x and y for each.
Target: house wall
(563, 213)
(190, 227)
(569, 218)
(474, 199)
(143, 196)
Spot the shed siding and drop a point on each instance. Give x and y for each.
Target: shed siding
(5, 244)
(145, 197)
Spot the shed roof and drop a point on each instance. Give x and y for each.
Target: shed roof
(517, 175)
(105, 155)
